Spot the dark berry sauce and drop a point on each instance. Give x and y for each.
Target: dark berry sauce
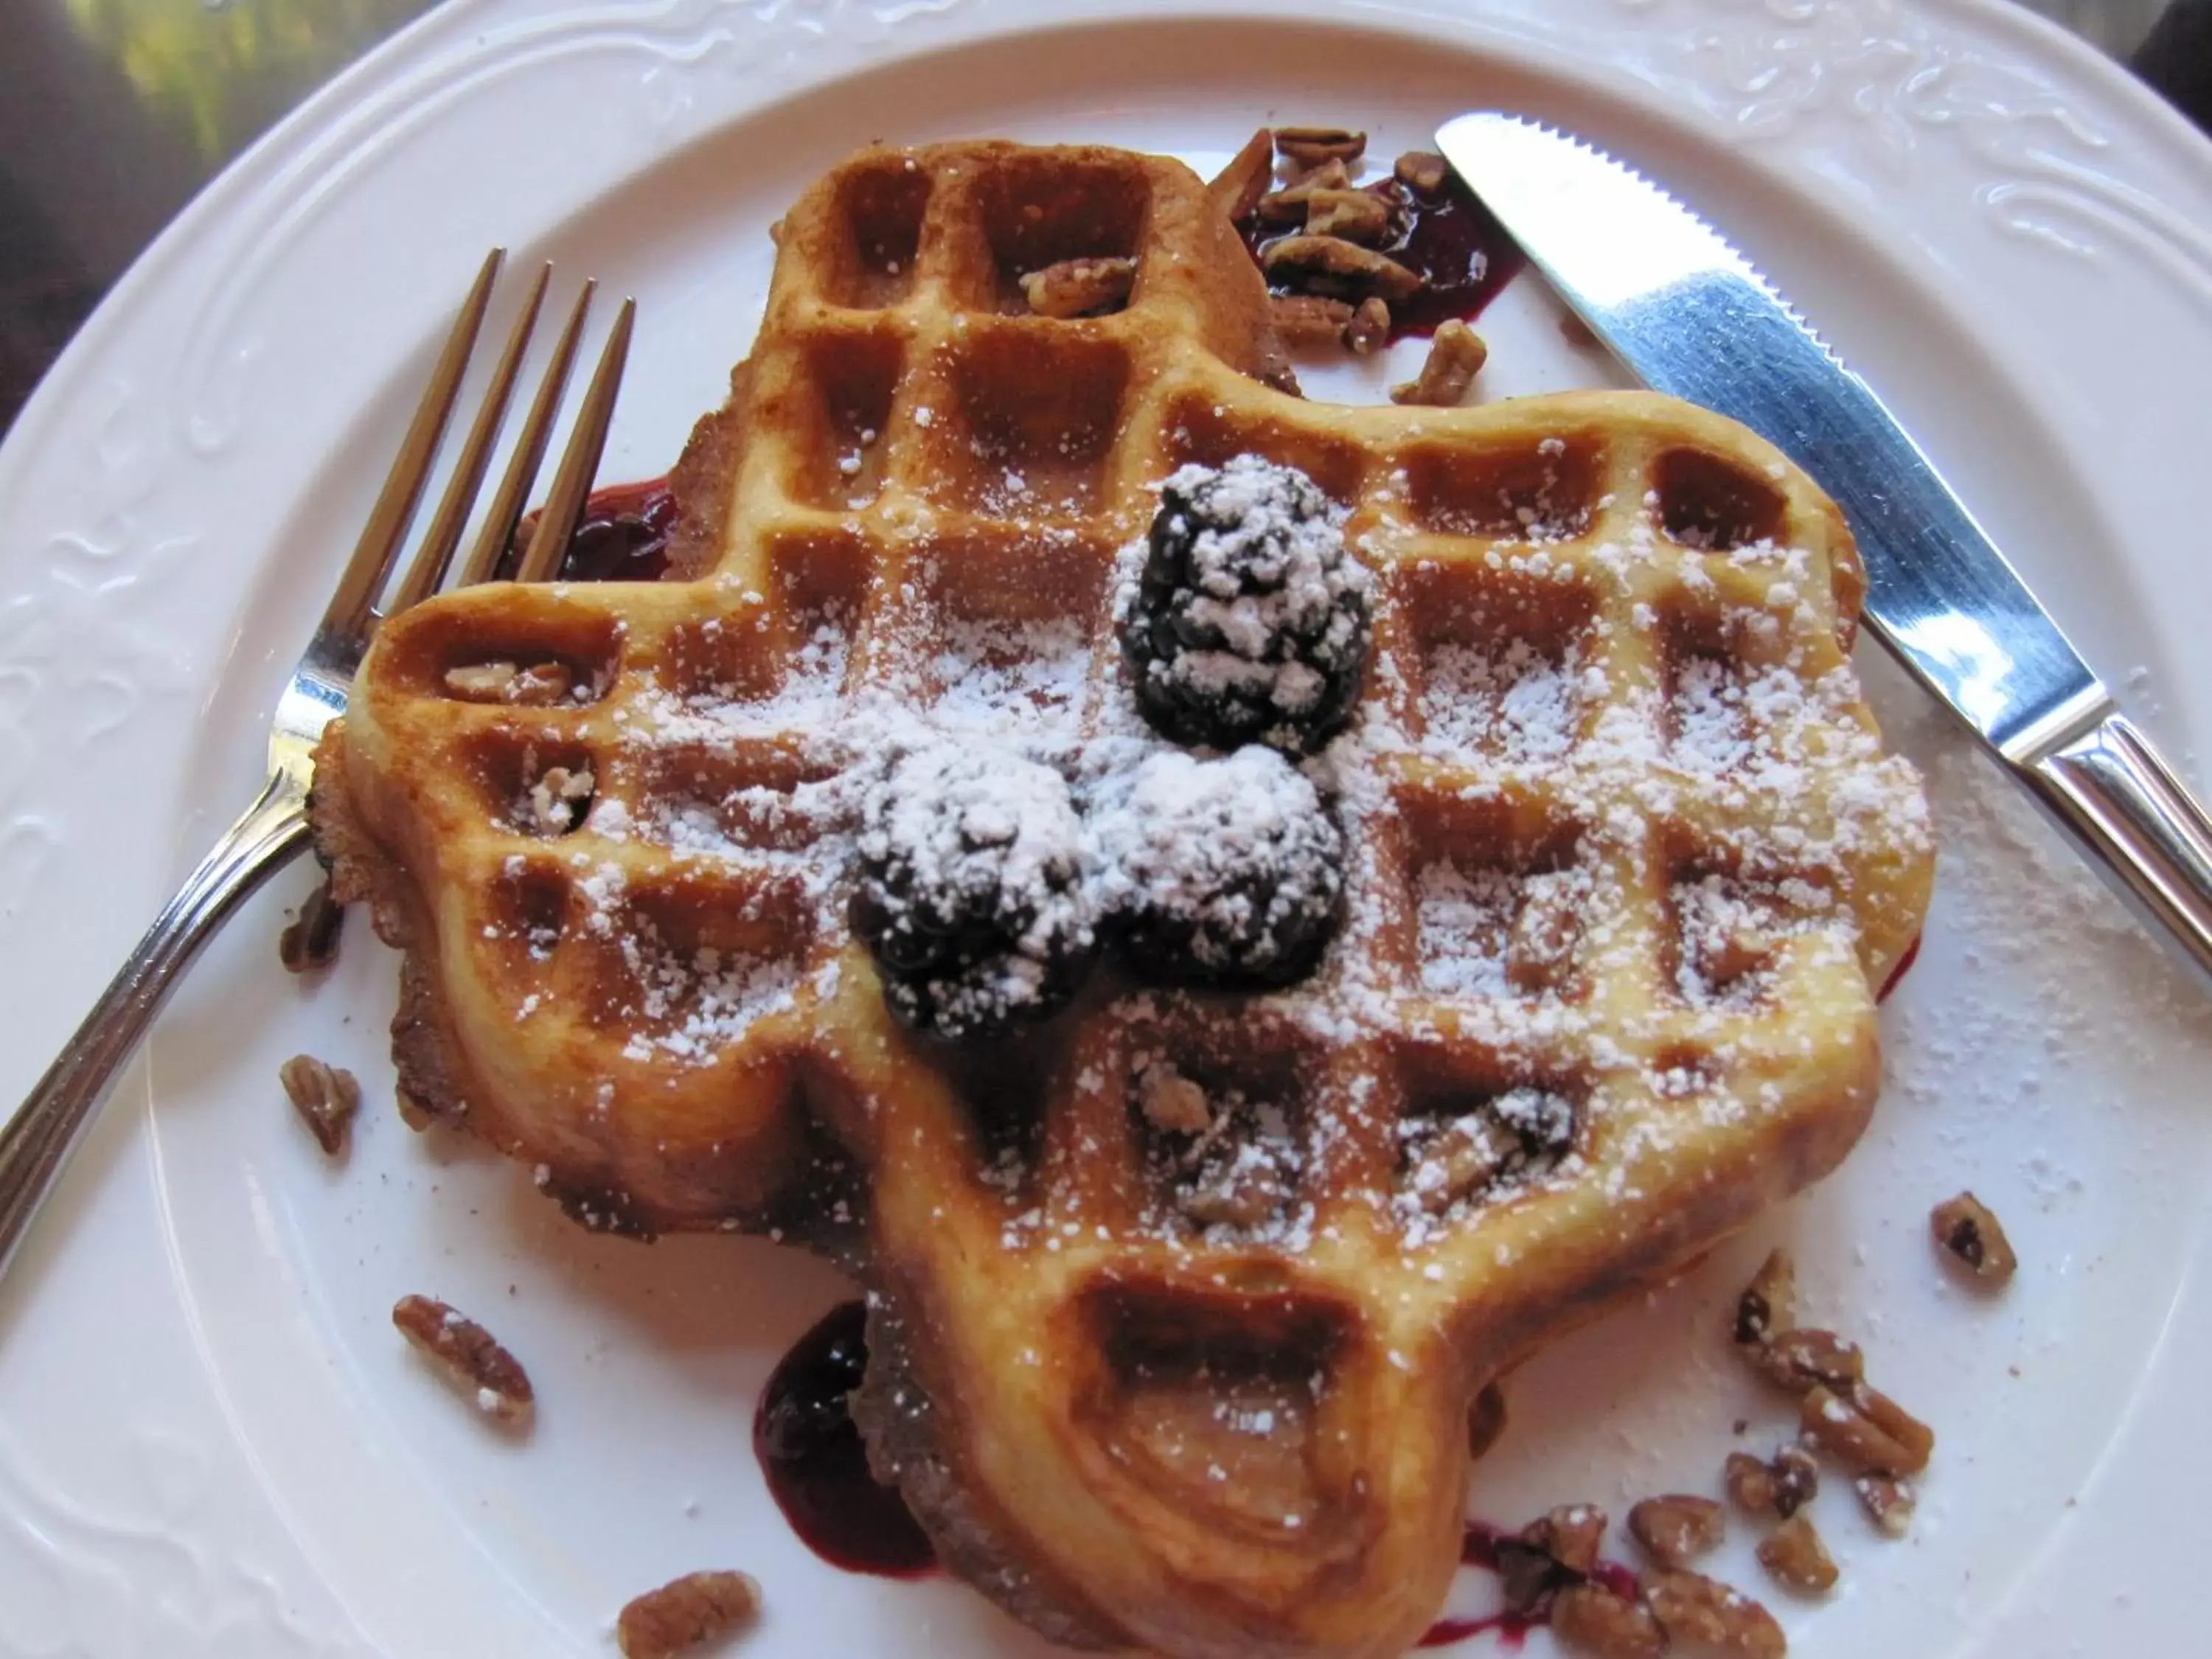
(1897, 974)
(1446, 236)
(1479, 1547)
(621, 536)
(817, 1467)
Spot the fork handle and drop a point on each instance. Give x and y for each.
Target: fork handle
(48, 1127)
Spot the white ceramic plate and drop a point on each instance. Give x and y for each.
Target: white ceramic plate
(211, 1441)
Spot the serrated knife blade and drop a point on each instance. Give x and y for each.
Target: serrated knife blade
(1692, 317)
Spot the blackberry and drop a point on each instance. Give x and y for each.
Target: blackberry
(973, 894)
(1249, 623)
(1223, 871)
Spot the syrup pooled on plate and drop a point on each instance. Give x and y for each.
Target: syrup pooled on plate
(622, 535)
(1447, 236)
(815, 1465)
(1479, 1547)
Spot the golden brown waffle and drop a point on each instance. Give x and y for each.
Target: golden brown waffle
(1624, 864)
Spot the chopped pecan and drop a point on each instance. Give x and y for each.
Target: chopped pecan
(1572, 1533)
(415, 1114)
(1456, 356)
(1578, 332)
(1309, 146)
(1459, 1156)
(325, 1097)
(470, 1356)
(1080, 288)
(1780, 1487)
(1308, 319)
(1701, 1612)
(1357, 216)
(1972, 1236)
(1486, 1419)
(1330, 260)
(310, 940)
(1331, 174)
(1237, 186)
(1172, 1102)
(1676, 1528)
(1769, 1303)
(1592, 1619)
(687, 1613)
(1237, 1194)
(1422, 170)
(1803, 1358)
(1369, 330)
(1888, 1500)
(526, 685)
(1794, 1554)
(1869, 1433)
(1555, 1550)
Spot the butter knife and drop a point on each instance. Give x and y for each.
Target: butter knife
(1691, 317)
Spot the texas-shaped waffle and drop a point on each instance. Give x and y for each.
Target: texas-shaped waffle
(1624, 863)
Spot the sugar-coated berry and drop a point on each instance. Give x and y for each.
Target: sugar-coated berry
(1224, 871)
(1249, 623)
(973, 894)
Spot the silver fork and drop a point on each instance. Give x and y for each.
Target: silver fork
(47, 1127)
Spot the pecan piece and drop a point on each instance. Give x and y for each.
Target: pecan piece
(1314, 261)
(1869, 1433)
(1369, 330)
(1794, 1555)
(310, 940)
(686, 1613)
(1309, 146)
(1354, 215)
(1974, 1237)
(1889, 1502)
(1552, 1551)
(1421, 170)
(1781, 1486)
(1459, 1157)
(1237, 186)
(324, 1096)
(1701, 1612)
(1769, 1303)
(1676, 1528)
(1456, 356)
(470, 1356)
(1331, 174)
(1591, 1619)
(1308, 319)
(532, 685)
(1080, 288)
(1172, 1102)
(1796, 1360)
(1571, 1534)
(1236, 1194)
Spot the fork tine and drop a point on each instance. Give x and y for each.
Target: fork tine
(374, 555)
(564, 504)
(428, 567)
(498, 527)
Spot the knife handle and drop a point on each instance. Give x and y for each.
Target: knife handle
(2120, 799)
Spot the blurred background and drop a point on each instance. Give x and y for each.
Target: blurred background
(114, 112)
